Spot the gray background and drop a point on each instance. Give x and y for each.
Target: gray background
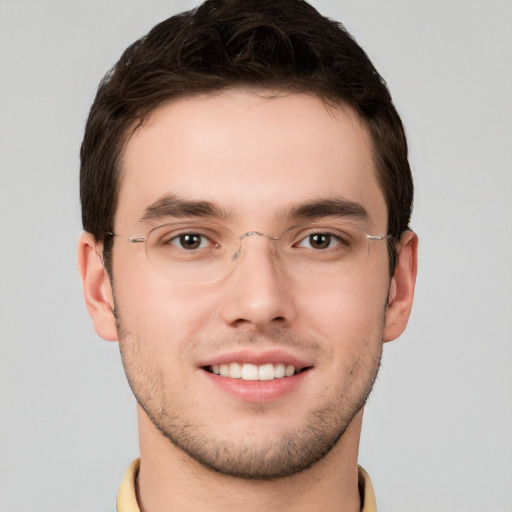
(438, 428)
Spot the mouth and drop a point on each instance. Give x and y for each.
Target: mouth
(253, 372)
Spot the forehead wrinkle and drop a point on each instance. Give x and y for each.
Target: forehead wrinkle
(171, 205)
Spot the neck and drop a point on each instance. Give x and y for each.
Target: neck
(170, 480)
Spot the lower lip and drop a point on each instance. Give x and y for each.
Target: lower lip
(257, 391)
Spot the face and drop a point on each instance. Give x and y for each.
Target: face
(254, 160)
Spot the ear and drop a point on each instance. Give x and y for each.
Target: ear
(96, 287)
(401, 290)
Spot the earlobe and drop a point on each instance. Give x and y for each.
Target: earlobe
(401, 290)
(96, 287)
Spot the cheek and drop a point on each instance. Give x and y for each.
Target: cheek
(154, 309)
(349, 314)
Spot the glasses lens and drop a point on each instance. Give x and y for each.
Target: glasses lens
(330, 251)
(204, 252)
(189, 251)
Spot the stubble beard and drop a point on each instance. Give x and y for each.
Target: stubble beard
(295, 451)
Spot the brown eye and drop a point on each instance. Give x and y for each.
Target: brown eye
(190, 241)
(319, 241)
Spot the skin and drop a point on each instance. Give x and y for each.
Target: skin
(253, 156)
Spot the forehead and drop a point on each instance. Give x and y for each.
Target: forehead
(250, 153)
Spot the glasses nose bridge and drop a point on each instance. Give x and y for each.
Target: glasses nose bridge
(238, 252)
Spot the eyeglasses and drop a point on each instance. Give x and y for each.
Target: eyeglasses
(205, 252)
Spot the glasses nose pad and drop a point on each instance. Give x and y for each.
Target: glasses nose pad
(238, 252)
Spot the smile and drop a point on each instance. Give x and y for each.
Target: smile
(247, 371)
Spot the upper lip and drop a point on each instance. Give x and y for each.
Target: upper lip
(258, 358)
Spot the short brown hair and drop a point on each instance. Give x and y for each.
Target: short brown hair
(281, 45)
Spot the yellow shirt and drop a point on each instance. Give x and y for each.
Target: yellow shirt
(127, 496)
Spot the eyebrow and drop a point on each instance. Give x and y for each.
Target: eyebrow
(333, 207)
(171, 205)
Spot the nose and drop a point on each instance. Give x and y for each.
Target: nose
(259, 294)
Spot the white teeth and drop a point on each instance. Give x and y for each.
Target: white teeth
(248, 371)
(266, 372)
(235, 371)
(279, 370)
(224, 370)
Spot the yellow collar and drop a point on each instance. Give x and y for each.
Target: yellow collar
(127, 496)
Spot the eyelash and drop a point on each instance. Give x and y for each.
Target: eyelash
(331, 236)
(178, 240)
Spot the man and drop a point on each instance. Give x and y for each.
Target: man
(246, 197)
